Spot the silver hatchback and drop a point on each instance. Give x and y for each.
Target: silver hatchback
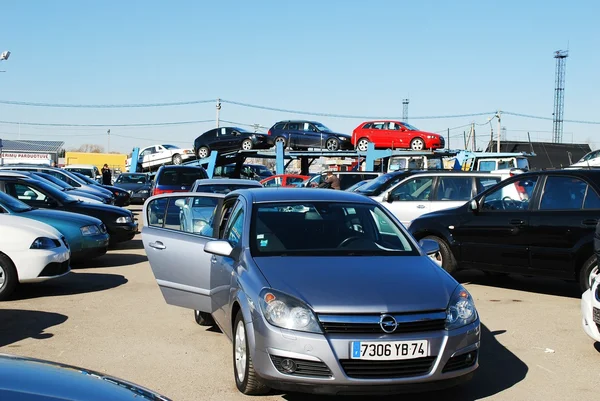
(320, 291)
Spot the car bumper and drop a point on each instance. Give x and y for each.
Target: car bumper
(36, 265)
(139, 198)
(265, 143)
(90, 247)
(332, 351)
(588, 302)
(122, 232)
(346, 145)
(123, 200)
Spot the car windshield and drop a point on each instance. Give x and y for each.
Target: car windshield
(378, 185)
(221, 188)
(86, 179)
(322, 128)
(13, 204)
(52, 191)
(326, 229)
(170, 147)
(131, 179)
(359, 184)
(409, 127)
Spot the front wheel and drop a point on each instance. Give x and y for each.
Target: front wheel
(589, 272)
(203, 152)
(332, 144)
(177, 159)
(417, 144)
(444, 258)
(8, 277)
(362, 145)
(246, 144)
(246, 379)
(203, 318)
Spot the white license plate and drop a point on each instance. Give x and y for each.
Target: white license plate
(389, 350)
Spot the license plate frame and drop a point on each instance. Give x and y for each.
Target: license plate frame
(596, 315)
(398, 350)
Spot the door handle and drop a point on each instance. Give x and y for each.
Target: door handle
(157, 245)
(420, 206)
(517, 222)
(589, 222)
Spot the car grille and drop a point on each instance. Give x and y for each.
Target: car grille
(364, 324)
(55, 269)
(304, 368)
(360, 369)
(460, 362)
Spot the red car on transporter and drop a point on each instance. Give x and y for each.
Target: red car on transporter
(394, 134)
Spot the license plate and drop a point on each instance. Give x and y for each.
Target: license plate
(389, 350)
(596, 315)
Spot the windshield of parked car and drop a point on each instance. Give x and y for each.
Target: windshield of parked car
(221, 188)
(51, 190)
(85, 171)
(325, 229)
(380, 184)
(170, 147)
(86, 179)
(131, 179)
(322, 128)
(13, 204)
(356, 186)
(262, 170)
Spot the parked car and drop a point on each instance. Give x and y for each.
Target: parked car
(176, 179)
(119, 222)
(155, 156)
(228, 139)
(394, 134)
(356, 186)
(32, 379)
(87, 236)
(223, 185)
(89, 170)
(347, 178)
(591, 159)
(138, 185)
(590, 311)
(291, 328)
(284, 180)
(30, 252)
(247, 171)
(300, 134)
(539, 223)
(122, 197)
(72, 191)
(419, 193)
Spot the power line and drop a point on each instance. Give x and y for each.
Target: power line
(108, 125)
(510, 113)
(105, 106)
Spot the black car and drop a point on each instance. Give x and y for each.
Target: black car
(256, 172)
(347, 178)
(122, 197)
(176, 179)
(539, 223)
(227, 139)
(138, 185)
(119, 222)
(308, 134)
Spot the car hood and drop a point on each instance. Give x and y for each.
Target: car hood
(84, 208)
(61, 217)
(361, 284)
(132, 186)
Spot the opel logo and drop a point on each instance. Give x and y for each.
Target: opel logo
(388, 323)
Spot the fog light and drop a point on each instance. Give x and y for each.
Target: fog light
(469, 358)
(288, 366)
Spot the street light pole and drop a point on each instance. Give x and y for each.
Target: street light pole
(108, 141)
(499, 115)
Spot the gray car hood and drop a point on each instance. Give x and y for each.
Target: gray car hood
(361, 284)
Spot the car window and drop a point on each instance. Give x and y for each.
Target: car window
(592, 200)
(368, 125)
(563, 193)
(416, 189)
(504, 164)
(293, 180)
(24, 192)
(279, 126)
(378, 125)
(487, 165)
(188, 214)
(394, 126)
(454, 188)
(484, 183)
(293, 126)
(181, 176)
(511, 196)
(273, 182)
(235, 226)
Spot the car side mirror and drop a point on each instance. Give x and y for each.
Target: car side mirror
(180, 203)
(388, 197)
(429, 246)
(218, 247)
(473, 205)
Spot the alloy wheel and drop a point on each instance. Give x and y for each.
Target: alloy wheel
(362, 145)
(177, 159)
(2, 276)
(417, 144)
(202, 153)
(437, 259)
(332, 144)
(247, 144)
(240, 351)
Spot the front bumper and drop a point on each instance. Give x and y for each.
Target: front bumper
(122, 232)
(332, 352)
(263, 143)
(36, 265)
(124, 200)
(346, 145)
(91, 246)
(138, 198)
(187, 156)
(588, 302)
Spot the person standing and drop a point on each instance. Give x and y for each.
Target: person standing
(332, 180)
(106, 175)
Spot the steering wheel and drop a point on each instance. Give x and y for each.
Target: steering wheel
(348, 240)
(508, 201)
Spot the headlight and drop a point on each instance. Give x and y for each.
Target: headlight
(124, 219)
(287, 312)
(461, 309)
(44, 243)
(121, 193)
(90, 230)
(343, 138)
(143, 191)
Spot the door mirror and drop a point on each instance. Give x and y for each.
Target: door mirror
(473, 205)
(51, 202)
(218, 247)
(388, 197)
(429, 246)
(30, 194)
(180, 203)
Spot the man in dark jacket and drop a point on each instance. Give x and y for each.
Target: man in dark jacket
(106, 176)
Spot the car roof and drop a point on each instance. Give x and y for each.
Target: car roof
(80, 166)
(261, 195)
(212, 181)
(297, 121)
(180, 167)
(14, 174)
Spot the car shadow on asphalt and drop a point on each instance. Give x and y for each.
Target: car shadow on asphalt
(131, 244)
(111, 260)
(499, 369)
(539, 285)
(18, 324)
(71, 284)
(597, 346)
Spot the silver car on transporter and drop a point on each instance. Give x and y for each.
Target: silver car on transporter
(320, 291)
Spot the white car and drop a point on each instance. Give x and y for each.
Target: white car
(591, 159)
(590, 310)
(30, 252)
(158, 155)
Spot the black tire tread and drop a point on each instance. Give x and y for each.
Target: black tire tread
(252, 384)
(585, 271)
(448, 260)
(11, 277)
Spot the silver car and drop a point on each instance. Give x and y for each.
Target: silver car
(320, 291)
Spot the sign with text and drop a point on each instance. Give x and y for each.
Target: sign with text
(33, 158)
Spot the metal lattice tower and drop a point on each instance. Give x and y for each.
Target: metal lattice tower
(559, 95)
(405, 109)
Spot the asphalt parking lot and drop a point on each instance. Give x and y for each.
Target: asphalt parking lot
(111, 317)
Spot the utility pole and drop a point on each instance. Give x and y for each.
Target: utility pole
(405, 109)
(108, 141)
(218, 111)
(499, 115)
(465, 138)
(473, 133)
(448, 141)
(491, 145)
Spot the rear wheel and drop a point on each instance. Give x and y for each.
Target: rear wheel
(362, 144)
(280, 140)
(203, 152)
(588, 273)
(246, 144)
(8, 277)
(246, 379)
(444, 257)
(177, 159)
(417, 144)
(203, 318)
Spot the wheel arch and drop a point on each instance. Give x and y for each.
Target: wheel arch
(241, 303)
(13, 263)
(584, 250)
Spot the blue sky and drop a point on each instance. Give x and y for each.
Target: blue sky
(344, 57)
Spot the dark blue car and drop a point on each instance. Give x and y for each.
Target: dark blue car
(301, 134)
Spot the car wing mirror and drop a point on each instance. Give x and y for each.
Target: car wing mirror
(473, 205)
(429, 246)
(180, 203)
(218, 247)
(388, 197)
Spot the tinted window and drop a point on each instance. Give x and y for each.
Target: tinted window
(416, 189)
(24, 192)
(279, 126)
(454, 188)
(378, 125)
(293, 126)
(85, 171)
(292, 180)
(181, 176)
(511, 196)
(367, 126)
(382, 183)
(484, 183)
(156, 212)
(487, 165)
(233, 232)
(563, 193)
(132, 179)
(592, 200)
(222, 188)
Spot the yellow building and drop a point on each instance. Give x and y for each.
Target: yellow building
(115, 161)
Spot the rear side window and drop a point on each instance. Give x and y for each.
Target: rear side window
(563, 193)
(182, 177)
(454, 188)
(367, 125)
(279, 126)
(592, 200)
(483, 183)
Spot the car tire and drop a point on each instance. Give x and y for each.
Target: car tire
(448, 261)
(280, 139)
(203, 152)
(247, 144)
(8, 277)
(588, 271)
(332, 144)
(177, 159)
(246, 379)
(417, 144)
(362, 144)
(203, 318)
